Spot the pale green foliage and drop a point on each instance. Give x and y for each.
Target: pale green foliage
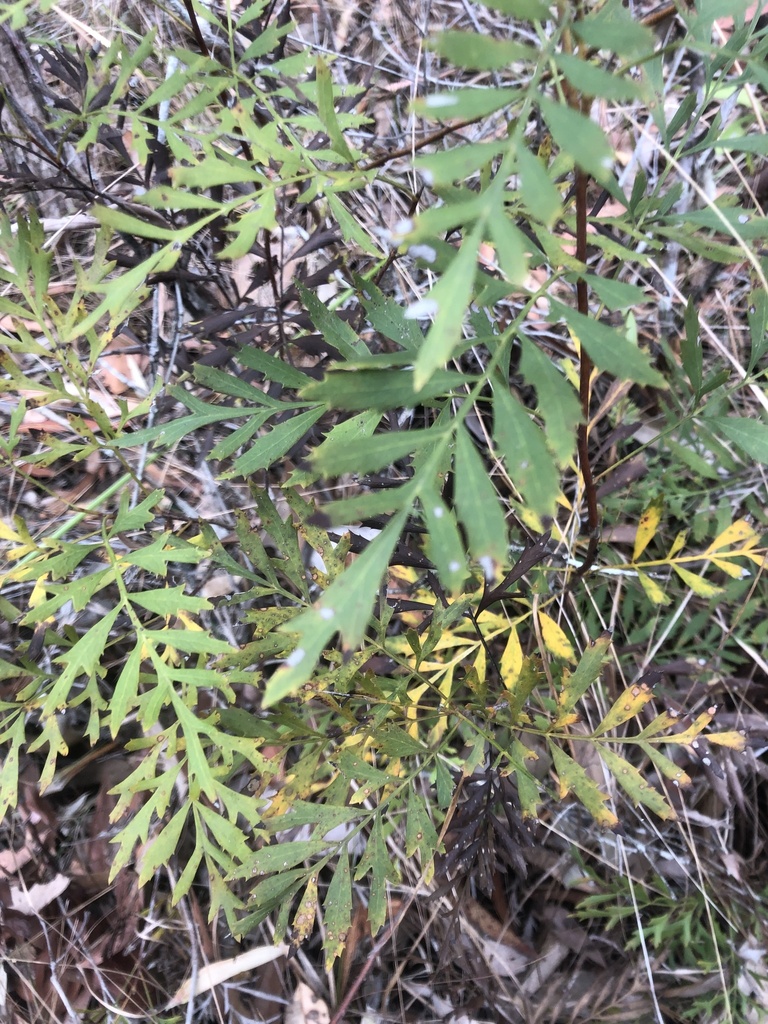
(366, 744)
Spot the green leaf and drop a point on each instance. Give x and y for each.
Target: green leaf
(612, 27)
(135, 518)
(690, 347)
(273, 368)
(333, 329)
(557, 401)
(511, 249)
(420, 833)
(444, 544)
(529, 10)
(609, 349)
(168, 600)
(337, 910)
(459, 162)
(281, 857)
(749, 435)
(592, 80)
(161, 850)
(627, 706)
(367, 454)
(345, 607)
(481, 51)
(465, 104)
(264, 452)
(616, 294)
(392, 388)
(539, 193)
(327, 112)
(585, 674)
(388, 317)
(83, 659)
(377, 860)
(574, 778)
(757, 316)
(521, 443)
(448, 301)
(478, 507)
(633, 783)
(577, 135)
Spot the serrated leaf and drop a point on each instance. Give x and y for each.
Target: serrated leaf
(628, 705)
(161, 850)
(448, 300)
(573, 778)
(345, 608)
(557, 401)
(608, 348)
(612, 27)
(615, 294)
(647, 526)
(420, 833)
(367, 454)
(169, 601)
(557, 643)
(137, 517)
(391, 388)
(334, 330)
(459, 162)
(633, 783)
(585, 674)
(304, 918)
(337, 910)
(264, 452)
(281, 857)
(750, 435)
(377, 860)
(478, 507)
(465, 104)
(526, 456)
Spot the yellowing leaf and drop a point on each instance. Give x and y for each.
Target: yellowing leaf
(554, 638)
(633, 783)
(699, 586)
(731, 569)
(511, 660)
(571, 776)
(647, 527)
(653, 591)
(628, 705)
(734, 740)
(739, 532)
(678, 543)
(666, 766)
(304, 917)
(577, 684)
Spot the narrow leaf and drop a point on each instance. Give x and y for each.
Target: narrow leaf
(478, 507)
(585, 674)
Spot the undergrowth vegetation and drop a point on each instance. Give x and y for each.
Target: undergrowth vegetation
(384, 529)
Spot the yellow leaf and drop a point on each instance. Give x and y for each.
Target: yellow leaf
(678, 544)
(554, 638)
(653, 591)
(6, 533)
(646, 528)
(734, 740)
(739, 532)
(729, 568)
(511, 660)
(628, 705)
(699, 586)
